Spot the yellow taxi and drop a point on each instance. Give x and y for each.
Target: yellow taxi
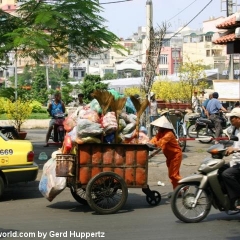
(16, 162)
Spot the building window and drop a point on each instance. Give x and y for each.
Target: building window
(75, 73)
(216, 52)
(108, 70)
(208, 53)
(208, 38)
(201, 38)
(166, 42)
(163, 59)
(163, 72)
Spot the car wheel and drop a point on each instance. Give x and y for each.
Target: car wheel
(1, 186)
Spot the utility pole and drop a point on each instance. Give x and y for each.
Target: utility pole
(229, 9)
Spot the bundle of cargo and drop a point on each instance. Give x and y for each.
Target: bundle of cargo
(104, 120)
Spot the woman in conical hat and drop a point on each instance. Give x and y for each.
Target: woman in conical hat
(166, 140)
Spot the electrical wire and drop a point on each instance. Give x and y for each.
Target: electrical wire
(181, 11)
(191, 19)
(115, 2)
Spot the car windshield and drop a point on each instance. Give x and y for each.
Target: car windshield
(4, 137)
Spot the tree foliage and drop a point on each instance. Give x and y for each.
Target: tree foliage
(109, 76)
(18, 112)
(44, 29)
(192, 77)
(91, 83)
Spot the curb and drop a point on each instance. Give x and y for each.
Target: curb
(28, 124)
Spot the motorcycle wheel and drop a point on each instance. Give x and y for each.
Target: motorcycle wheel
(182, 138)
(182, 200)
(61, 136)
(191, 131)
(201, 133)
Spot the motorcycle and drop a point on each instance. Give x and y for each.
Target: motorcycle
(192, 200)
(191, 122)
(9, 131)
(58, 129)
(205, 130)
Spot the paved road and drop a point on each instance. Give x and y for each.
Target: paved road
(24, 209)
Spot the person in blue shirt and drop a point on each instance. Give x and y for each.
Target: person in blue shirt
(213, 107)
(205, 113)
(56, 106)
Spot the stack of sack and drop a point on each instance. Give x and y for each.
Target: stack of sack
(88, 125)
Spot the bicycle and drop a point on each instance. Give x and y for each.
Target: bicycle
(176, 118)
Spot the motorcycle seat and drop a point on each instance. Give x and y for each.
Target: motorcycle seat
(205, 120)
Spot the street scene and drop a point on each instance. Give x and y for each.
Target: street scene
(119, 119)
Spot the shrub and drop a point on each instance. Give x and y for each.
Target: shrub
(2, 104)
(18, 112)
(36, 106)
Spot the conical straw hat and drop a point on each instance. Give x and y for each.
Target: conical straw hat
(162, 122)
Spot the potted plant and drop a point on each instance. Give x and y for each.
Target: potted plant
(18, 112)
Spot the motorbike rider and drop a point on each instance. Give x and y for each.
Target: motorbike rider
(213, 107)
(205, 113)
(231, 175)
(54, 107)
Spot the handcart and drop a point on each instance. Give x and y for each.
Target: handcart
(100, 174)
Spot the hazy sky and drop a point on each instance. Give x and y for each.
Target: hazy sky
(124, 18)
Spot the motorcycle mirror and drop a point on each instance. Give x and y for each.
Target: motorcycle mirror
(234, 138)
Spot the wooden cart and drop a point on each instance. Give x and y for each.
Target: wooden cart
(100, 174)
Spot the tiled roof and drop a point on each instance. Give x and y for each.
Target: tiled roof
(227, 38)
(230, 22)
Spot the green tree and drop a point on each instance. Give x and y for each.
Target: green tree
(192, 77)
(39, 87)
(46, 29)
(109, 76)
(91, 83)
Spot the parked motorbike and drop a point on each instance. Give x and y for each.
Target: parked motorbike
(205, 131)
(9, 131)
(58, 129)
(192, 200)
(191, 122)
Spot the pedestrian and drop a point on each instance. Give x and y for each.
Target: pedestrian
(214, 108)
(80, 102)
(153, 111)
(205, 113)
(231, 175)
(166, 140)
(195, 102)
(54, 107)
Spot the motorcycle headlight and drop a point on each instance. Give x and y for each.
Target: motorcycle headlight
(229, 130)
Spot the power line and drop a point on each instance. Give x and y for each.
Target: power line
(191, 19)
(115, 2)
(181, 11)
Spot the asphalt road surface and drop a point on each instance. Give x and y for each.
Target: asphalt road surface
(26, 214)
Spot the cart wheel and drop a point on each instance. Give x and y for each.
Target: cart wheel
(154, 199)
(106, 192)
(79, 195)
